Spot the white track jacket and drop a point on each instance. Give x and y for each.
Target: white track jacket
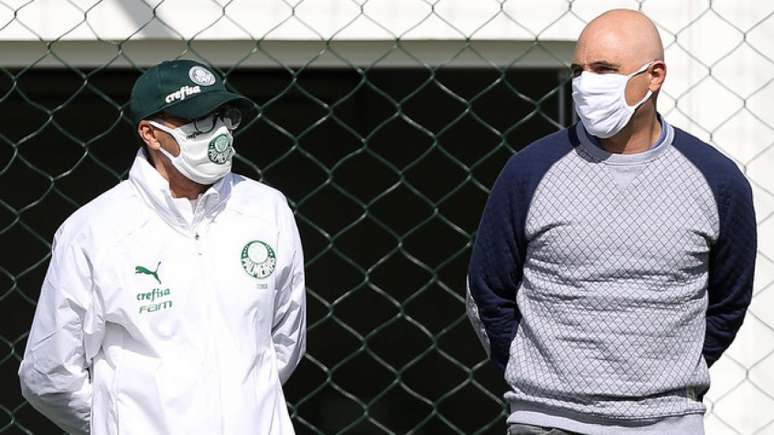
(158, 318)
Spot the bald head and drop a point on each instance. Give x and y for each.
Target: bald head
(624, 45)
(620, 37)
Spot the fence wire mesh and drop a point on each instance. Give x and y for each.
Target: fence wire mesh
(387, 170)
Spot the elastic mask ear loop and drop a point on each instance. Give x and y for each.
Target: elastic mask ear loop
(170, 132)
(163, 128)
(647, 94)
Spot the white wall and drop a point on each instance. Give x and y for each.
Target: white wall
(720, 86)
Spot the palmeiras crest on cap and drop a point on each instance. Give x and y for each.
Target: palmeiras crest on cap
(201, 76)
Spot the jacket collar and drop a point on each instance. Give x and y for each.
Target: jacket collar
(179, 213)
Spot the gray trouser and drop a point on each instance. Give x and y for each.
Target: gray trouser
(528, 429)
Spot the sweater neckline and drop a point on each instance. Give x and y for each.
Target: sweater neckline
(587, 142)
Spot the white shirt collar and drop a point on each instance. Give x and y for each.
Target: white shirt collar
(177, 212)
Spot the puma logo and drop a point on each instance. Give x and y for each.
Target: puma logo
(144, 270)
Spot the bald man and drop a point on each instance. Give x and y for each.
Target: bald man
(614, 260)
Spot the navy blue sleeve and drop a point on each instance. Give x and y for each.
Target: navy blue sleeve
(732, 266)
(732, 256)
(500, 247)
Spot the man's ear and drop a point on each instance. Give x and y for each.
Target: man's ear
(657, 75)
(148, 135)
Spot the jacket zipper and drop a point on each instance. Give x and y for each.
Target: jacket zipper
(206, 292)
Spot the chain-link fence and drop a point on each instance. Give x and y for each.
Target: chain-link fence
(385, 123)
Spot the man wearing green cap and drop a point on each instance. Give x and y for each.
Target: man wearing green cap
(174, 303)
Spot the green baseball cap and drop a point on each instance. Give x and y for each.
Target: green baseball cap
(183, 89)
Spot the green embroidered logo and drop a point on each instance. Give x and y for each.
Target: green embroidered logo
(220, 150)
(144, 270)
(258, 259)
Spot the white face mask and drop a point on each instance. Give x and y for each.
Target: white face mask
(204, 157)
(600, 101)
